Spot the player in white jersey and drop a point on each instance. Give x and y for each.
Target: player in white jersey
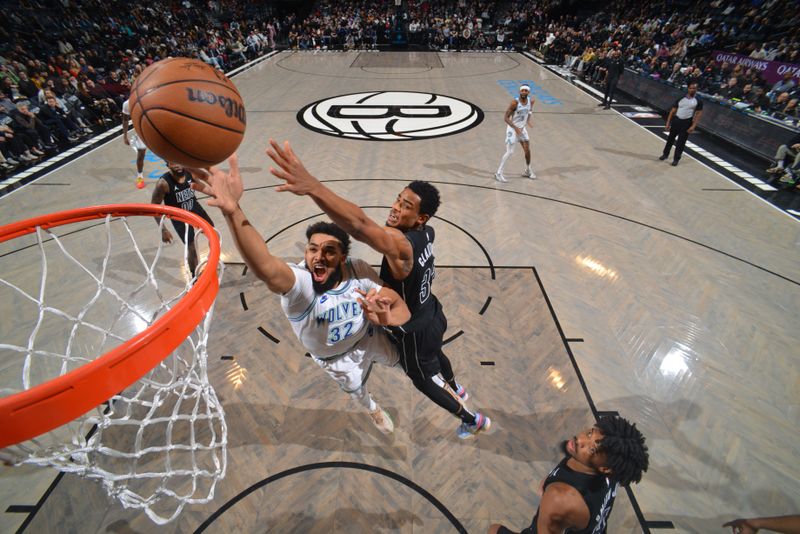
(329, 299)
(517, 117)
(133, 140)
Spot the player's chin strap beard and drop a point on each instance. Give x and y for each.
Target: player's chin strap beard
(332, 281)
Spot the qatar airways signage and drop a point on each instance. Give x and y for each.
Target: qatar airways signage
(771, 71)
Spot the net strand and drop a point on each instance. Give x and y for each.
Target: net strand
(161, 443)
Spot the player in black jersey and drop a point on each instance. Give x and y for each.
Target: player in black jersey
(174, 189)
(578, 494)
(406, 243)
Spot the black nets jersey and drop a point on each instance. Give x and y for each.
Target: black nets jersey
(181, 195)
(598, 492)
(416, 289)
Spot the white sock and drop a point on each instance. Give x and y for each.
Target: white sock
(362, 396)
(139, 175)
(781, 164)
(509, 151)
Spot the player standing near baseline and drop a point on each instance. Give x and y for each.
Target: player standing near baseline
(320, 296)
(406, 243)
(135, 143)
(517, 117)
(174, 189)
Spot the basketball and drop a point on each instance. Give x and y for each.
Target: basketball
(187, 112)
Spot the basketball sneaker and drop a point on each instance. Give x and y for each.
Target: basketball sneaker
(462, 393)
(482, 423)
(382, 420)
(139, 182)
(499, 177)
(529, 174)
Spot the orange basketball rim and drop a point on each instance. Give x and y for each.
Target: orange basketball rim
(47, 406)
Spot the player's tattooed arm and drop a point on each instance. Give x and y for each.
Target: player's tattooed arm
(351, 218)
(226, 189)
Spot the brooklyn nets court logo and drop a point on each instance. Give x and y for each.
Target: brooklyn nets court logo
(390, 116)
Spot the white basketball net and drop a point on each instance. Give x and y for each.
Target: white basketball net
(159, 444)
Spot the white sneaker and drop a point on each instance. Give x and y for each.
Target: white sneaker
(499, 177)
(529, 174)
(382, 420)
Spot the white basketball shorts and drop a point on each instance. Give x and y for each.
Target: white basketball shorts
(136, 143)
(351, 369)
(512, 137)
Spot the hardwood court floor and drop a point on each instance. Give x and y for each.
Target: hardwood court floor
(678, 305)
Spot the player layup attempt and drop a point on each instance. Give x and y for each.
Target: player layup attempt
(320, 295)
(406, 243)
(518, 115)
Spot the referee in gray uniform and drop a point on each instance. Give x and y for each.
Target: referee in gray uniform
(682, 120)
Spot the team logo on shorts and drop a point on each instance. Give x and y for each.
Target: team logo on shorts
(390, 116)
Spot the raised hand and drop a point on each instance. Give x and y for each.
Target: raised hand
(376, 308)
(290, 169)
(225, 189)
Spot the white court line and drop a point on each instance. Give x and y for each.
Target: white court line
(589, 88)
(533, 57)
(771, 205)
(97, 138)
(558, 71)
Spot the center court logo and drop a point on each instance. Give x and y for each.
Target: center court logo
(390, 116)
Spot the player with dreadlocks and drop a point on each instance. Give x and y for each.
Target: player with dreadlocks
(578, 494)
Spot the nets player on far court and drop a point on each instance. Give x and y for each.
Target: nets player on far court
(406, 243)
(320, 295)
(518, 115)
(174, 189)
(135, 143)
(682, 120)
(578, 494)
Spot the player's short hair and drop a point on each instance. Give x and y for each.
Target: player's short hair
(624, 447)
(428, 195)
(325, 227)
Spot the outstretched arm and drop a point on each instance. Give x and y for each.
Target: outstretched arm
(788, 524)
(226, 189)
(352, 219)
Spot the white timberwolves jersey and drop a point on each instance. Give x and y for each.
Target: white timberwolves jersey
(332, 323)
(520, 117)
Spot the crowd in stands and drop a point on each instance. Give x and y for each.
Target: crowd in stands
(66, 68)
(675, 45)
